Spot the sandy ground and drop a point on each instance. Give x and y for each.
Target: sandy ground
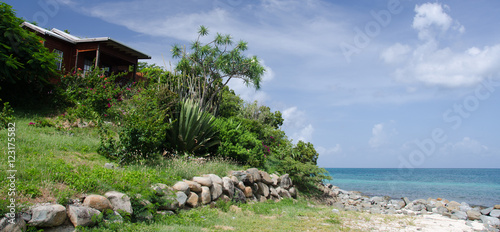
(433, 222)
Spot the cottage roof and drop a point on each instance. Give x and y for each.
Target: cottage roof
(75, 40)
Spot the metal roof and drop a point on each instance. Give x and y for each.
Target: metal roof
(75, 40)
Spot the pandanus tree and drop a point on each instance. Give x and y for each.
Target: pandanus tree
(207, 68)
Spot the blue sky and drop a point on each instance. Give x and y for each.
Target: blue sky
(391, 83)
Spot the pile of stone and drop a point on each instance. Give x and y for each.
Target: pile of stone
(355, 201)
(239, 186)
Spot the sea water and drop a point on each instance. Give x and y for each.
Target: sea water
(479, 187)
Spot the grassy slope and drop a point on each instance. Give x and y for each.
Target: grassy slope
(55, 165)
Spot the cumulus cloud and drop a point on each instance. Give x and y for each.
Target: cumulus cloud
(432, 64)
(381, 134)
(466, 146)
(337, 149)
(295, 123)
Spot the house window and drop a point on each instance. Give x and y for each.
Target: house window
(87, 65)
(59, 58)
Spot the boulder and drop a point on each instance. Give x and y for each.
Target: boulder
(285, 181)
(486, 211)
(473, 215)
(263, 189)
(82, 215)
(97, 202)
(273, 192)
(48, 216)
(192, 199)
(248, 192)
(457, 214)
(205, 196)
(181, 198)
(109, 166)
(254, 175)
(275, 179)
(204, 181)
(406, 201)
(376, 200)
(283, 192)
(234, 179)
(161, 189)
(181, 186)
(228, 186)
(453, 205)
(265, 178)
(214, 178)
(19, 224)
(492, 221)
(240, 175)
(442, 210)
(194, 186)
(496, 207)
(241, 186)
(293, 192)
(119, 201)
(239, 196)
(216, 191)
(495, 213)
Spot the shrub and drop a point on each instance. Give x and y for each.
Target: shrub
(6, 115)
(192, 129)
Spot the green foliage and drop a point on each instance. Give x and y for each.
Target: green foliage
(143, 125)
(216, 63)
(93, 94)
(192, 129)
(238, 143)
(6, 115)
(26, 64)
(231, 104)
(305, 152)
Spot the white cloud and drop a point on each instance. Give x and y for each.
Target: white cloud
(466, 146)
(433, 65)
(295, 124)
(337, 149)
(395, 53)
(382, 134)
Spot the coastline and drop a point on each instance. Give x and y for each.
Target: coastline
(425, 211)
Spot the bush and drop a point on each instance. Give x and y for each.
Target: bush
(6, 115)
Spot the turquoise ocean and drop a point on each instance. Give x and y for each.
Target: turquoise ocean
(480, 187)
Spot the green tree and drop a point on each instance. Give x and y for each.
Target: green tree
(26, 63)
(216, 63)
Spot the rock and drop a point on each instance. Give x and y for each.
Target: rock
(376, 200)
(109, 165)
(495, 213)
(48, 216)
(241, 186)
(181, 186)
(97, 202)
(418, 207)
(492, 221)
(181, 198)
(335, 211)
(216, 191)
(293, 192)
(205, 195)
(82, 215)
(204, 181)
(457, 214)
(283, 192)
(116, 217)
(275, 179)
(497, 207)
(161, 189)
(406, 201)
(224, 198)
(145, 216)
(285, 182)
(18, 225)
(473, 215)
(240, 175)
(192, 199)
(239, 196)
(486, 211)
(228, 186)
(254, 175)
(234, 180)
(442, 210)
(194, 186)
(273, 192)
(119, 201)
(248, 192)
(214, 178)
(169, 203)
(263, 189)
(266, 178)
(453, 205)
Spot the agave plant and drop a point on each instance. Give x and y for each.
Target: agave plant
(192, 129)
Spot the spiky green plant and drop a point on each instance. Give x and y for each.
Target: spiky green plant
(192, 129)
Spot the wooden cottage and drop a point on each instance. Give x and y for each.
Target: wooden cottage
(101, 52)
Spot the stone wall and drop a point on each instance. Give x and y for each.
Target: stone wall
(238, 186)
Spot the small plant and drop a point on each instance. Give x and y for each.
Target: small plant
(6, 115)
